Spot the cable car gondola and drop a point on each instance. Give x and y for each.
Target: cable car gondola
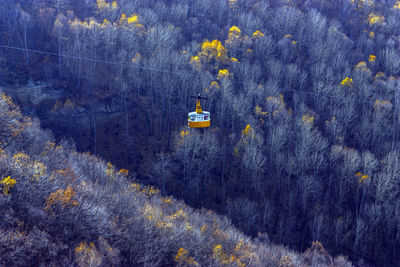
(199, 118)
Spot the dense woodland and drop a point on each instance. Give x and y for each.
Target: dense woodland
(63, 208)
(303, 95)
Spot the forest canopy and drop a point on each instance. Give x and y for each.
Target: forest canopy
(303, 96)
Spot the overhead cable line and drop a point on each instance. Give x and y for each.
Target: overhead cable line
(82, 58)
(172, 72)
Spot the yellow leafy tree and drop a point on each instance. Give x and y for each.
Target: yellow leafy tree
(123, 172)
(146, 190)
(91, 24)
(179, 214)
(361, 177)
(110, 171)
(374, 18)
(257, 34)
(150, 190)
(223, 74)
(167, 200)
(64, 197)
(151, 213)
(7, 183)
(213, 50)
(223, 258)
(21, 160)
(195, 61)
(182, 258)
(371, 58)
(39, 169)
(134, 187)
(362, 66)
(379, 76)
(234, 37)
(114, 5)
(247, 130)
(134, 18)
(371, 35)
(87, 255)
(308, 119)
(234, 32)
(103, 4)
(214, 85)
(131, 22)
(259, 112)
(347, 82)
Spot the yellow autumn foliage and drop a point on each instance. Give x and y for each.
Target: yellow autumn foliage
(64, 197)
(87, 255)
(114, 5)
(371, 35)
(247, 130)
(371, 58)
(213, 50)
(110, 171)
(180, 214)
(214, 84)
(7, 183)
(379, 75)
(381, 105)
(223, 258)
(103, 4)
(39, 169)
(134, 187)
(257, 34)
(234, 36)
(374, 18)
(90, 25)
(182, 257)
(167, 200)
(123, 172)
(134, 18)
(131, 22)
(223, 74)
(259, 112)
(307, 119)
(347, 82)
(195, 61)
(361, 66)
(234, 30)
(361, 177)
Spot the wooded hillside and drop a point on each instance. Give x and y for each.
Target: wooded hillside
(303, 95)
